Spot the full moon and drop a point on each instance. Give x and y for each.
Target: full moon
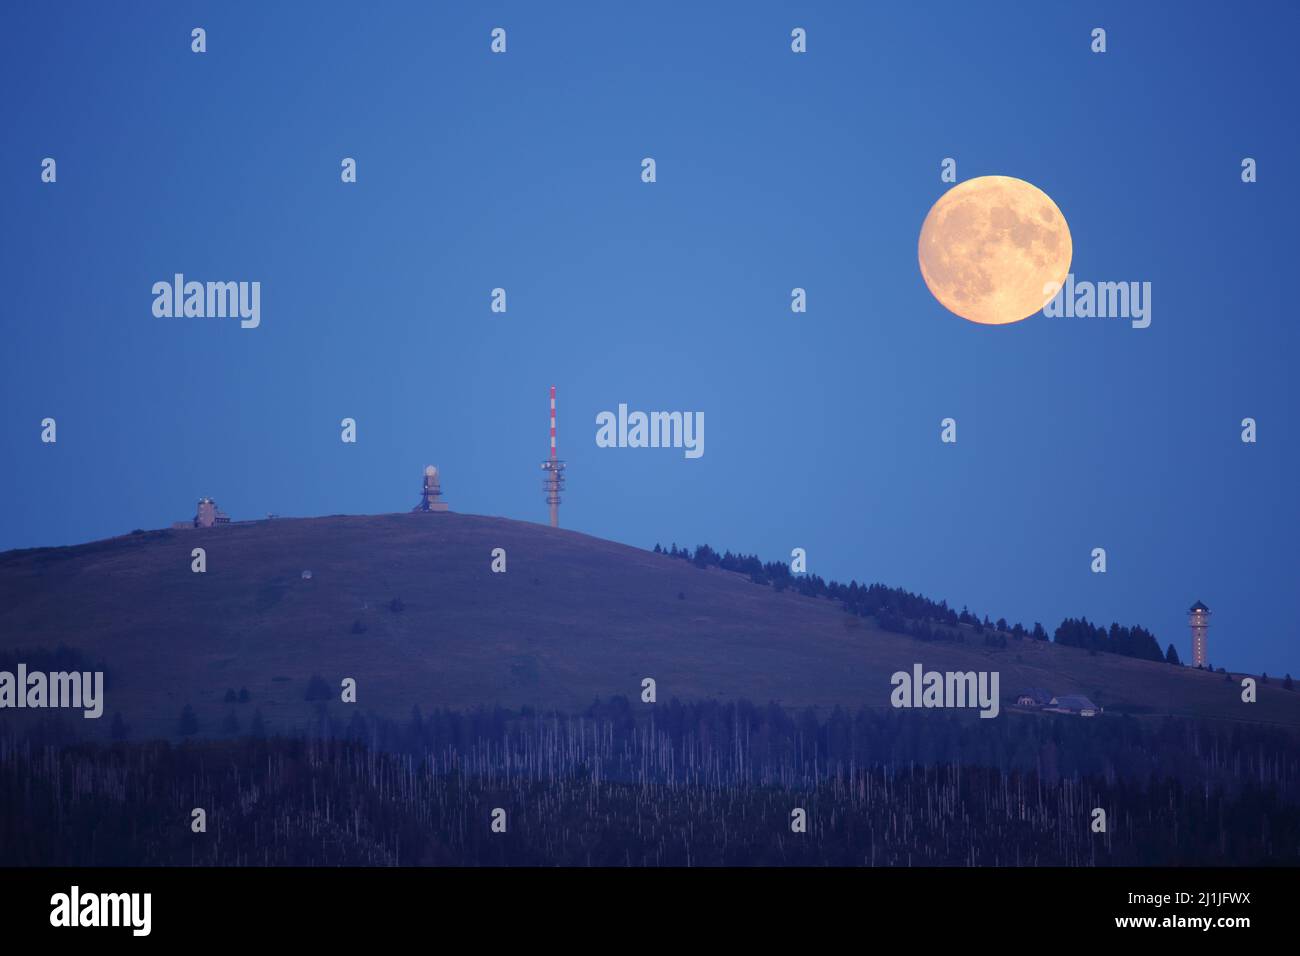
(995, 249)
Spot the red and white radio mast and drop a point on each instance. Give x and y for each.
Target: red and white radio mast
(553, 480)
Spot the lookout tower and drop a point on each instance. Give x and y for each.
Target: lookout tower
(431, 494)
(208, 514)
(1198, 616)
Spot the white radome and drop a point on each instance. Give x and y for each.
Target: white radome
(431, 472)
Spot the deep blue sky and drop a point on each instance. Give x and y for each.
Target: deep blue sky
(775, 171)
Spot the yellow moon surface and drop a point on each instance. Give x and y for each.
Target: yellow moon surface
(995, 249)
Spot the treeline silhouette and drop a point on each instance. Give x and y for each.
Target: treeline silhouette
(723, 744)
(60, 659)
(703, 784)
(1127, 641)
(903, 612)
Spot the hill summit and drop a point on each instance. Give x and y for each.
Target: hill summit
(408, 605)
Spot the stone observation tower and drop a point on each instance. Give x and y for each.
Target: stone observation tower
(1199, 618)
(431, 494)
(206, 515)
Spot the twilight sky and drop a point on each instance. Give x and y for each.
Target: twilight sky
(775, 170)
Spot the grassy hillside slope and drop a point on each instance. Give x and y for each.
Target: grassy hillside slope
(572, 619)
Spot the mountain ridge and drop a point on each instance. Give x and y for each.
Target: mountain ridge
(409, 607)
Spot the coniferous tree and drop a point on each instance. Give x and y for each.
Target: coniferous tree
(704, 556)
(1171, 655)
